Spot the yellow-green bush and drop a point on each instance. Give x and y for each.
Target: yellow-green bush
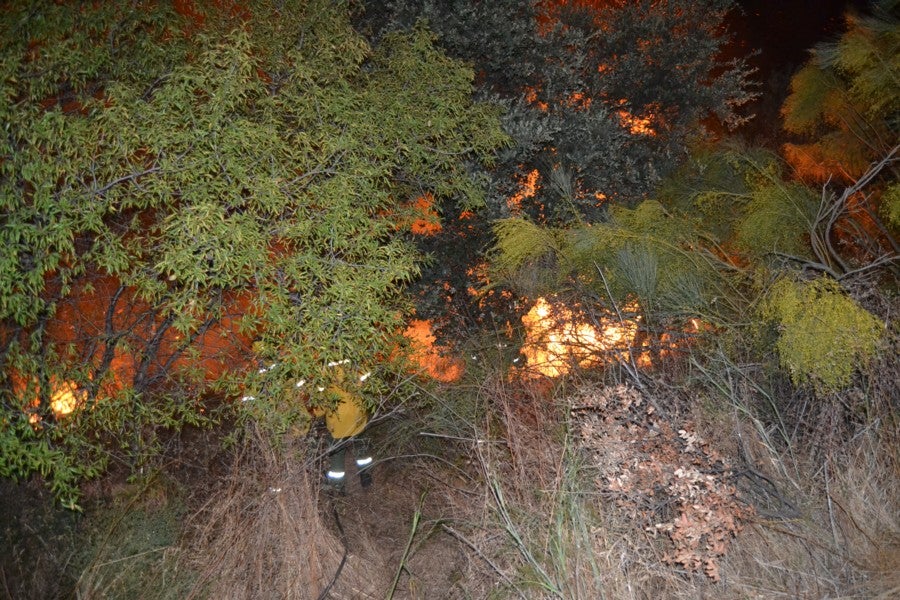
(891, 205)
(823, 334)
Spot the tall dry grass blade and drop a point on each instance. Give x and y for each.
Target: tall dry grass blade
(412, 534)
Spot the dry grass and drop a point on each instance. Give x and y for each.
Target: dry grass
(827, 522)
(263, 535)
(514, 509)
(844, 541)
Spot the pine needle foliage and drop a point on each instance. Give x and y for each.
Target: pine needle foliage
(644, 254)
(823, 335)
(739, 197)
(520, 243)
(891, 205)
(847, 97)
(777, 220)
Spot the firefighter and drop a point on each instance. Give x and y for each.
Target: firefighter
(345, 422)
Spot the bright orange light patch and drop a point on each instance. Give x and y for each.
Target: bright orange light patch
(433, 359)
(66, 398)
(528, 187)
(580, 101)
(555, 342)
(636, 125)
(532, 98)
(426, 220)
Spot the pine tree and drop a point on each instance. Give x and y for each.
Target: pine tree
(845, 101)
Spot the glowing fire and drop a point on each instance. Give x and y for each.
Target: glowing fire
(432, 358)
(66, 398)
(636, 125)
(426, 220)
(555, 342)
(532, 98)
(528, 187)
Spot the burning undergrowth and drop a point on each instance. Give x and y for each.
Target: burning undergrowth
(669, 481)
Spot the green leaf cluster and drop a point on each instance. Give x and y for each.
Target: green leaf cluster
(823, 335)
(217, 171)
(26, 451)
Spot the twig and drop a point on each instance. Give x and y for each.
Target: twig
(453, 437)
(631, 366)
(513, 532)
(412, 534)
(116, 560)
(481, 555)
(125, 178)
(831, 207)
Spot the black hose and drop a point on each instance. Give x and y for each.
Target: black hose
(340, 568)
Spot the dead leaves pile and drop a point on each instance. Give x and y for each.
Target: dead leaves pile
(669, 481)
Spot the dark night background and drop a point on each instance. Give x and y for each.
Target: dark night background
(784, 30)
(781, 34)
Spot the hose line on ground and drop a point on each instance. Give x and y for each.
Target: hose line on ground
(337, 573)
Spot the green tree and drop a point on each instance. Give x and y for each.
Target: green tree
(844, 111)
(187, 196)
(603, 98)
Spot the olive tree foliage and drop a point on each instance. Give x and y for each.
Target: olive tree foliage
(233, 180)
(603, 98)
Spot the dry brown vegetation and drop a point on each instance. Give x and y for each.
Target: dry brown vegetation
(699, 479)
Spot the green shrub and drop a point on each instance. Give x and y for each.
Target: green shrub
(823, 334)
(891, 205)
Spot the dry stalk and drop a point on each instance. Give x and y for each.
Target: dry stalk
(262, 533)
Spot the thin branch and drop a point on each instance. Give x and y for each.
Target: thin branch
(831, 208)
(124, 178)
(630, 366)
(111, 339)
(481, 555)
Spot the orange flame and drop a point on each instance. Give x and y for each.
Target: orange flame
(636, 125)
(528, 187)
(66, 398)
(429, 356)
(532, 98)
(426, 220)
(555, 342)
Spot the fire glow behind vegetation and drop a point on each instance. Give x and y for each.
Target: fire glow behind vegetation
(556, 341)
(434, 360)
